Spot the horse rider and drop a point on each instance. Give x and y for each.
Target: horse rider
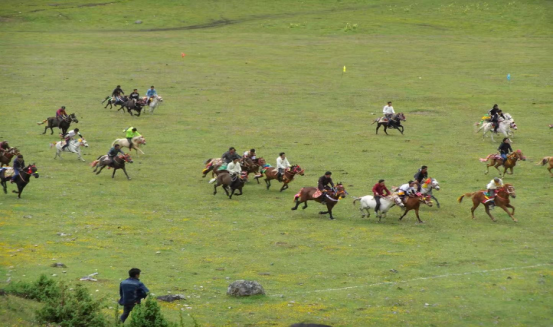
(505, 149)
(494, 110)
(131, 132)
(69, 136)
(495, 119)
(493, 185)
(18, 165)
(4, 147)
(234, 168)
(113, 152)
(117, 93)
(230, 155)
(420, 176)
(282, 165)
(388, 111)
(151, 93)
(250, 154)
(407, 189)
(61, 115)
(379, 190)
(322, 185)
(134, 96)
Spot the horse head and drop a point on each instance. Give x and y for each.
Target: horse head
(126, 157)
(400, 116)
(519, 155)
(296, 169)
(32, 170)
(261, 161)
(509, 189)
(340, 191)
(73, 118)
(83, 142)
(397, 201)
(141, 140)
(427, 201)
(513, 125)
(434, 184)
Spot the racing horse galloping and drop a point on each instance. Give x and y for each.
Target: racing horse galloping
(312, 193)
(394, 122)
(496, 161)
(22, 181)
(501, 200)
(288, 176)
(63, 125)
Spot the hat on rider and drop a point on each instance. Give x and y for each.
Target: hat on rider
(328, 173)
(497, 180)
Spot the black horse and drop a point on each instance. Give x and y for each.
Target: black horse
(394, 122)
(131, 105)
(118, 163)
(63, 125)
(22, 180)
(224, 178)
(112, 102)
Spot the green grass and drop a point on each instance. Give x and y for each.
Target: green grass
(264, 83)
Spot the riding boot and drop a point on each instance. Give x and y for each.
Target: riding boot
(280, 177)
(323, 198)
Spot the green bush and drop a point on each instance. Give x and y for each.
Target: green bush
(42, 290)
(72, 308)
(148, 314)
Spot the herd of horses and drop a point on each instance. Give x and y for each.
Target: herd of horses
(131, 105)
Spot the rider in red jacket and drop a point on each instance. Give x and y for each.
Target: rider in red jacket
(379, 190)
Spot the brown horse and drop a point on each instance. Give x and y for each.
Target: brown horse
(212, 164)
(311, 193)
(413, 203)
(251, 166)
(546, 160)
(272, 173)
(501, 200)
(24, 179)
(117, 163)
(224, 178)
(63, 125)
(394, 122)
(496, 161)
(7, 156)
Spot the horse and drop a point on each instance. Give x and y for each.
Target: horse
(63, 125)
(212, 164)
(501, 200)
(226, 180)
(74, 146)
(155, 101)
(413, 203)
(113, 102)
(427, 186)
(272, 173)
(394, 122)
(546, 160)
(7, 156)
(496, 161)
(130, 104)
(118, 163)
(312, 193)
(136, 142)
(505, 126)
(251, 166)
(368, 203)
(22, 181)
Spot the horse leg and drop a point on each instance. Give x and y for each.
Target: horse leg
(79, 156)
(385, 129)
(215, 188)
(497, 167)
(125, 171)
(231, 193)
(400, 129)
(437, 203)
(377, 127)
(510, 215)
(511, 170)
(330, 211)
(510, 206)
(406, 211)
(417, 214)
(114, 170)
(268, 182)
(474, 206)
(4, 186)
(298, 204)
(487, 207)
(284, 187)
(225, 187)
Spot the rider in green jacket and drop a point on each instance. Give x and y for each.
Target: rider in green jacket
(131, 132)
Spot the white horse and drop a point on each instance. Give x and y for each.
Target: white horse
(505, 126)
(429, 185)
(368, 203)
(136, 142)
(156, 101)
(74, 146)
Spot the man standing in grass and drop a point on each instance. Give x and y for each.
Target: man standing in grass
(132, 291)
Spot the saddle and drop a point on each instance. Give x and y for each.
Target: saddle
(496, 157)
(317, 194)
(8, 172)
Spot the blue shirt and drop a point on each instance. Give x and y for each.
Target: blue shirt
(132, 290)
(151, 93)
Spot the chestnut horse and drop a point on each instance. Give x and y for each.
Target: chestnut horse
(7, 156)
(496, 162)
(250, 166)
(332, 197)
(117, 163)
(413, 203)
(501, 200)
(224, 178)
(546, 160)
(272, 173)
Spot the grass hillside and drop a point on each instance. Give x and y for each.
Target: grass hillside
(269, 75)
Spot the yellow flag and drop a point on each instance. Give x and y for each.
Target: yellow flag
(344, 69)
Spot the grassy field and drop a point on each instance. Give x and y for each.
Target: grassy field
(268, 75)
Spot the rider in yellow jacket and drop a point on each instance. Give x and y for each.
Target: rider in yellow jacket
(130, 133)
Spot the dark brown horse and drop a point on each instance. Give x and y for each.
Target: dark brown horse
(311, 193)
(251, 166)
(118, 163)
(63, 125)
(224, 178)
(272, 173)
(22, 180)
(131, 105)
(497, 161)
(7, 156)
(413, 203)
(501, 200)
(545, 161)
(394, 122)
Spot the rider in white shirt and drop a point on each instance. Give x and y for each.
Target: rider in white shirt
(282, 165)
(493, 185)
(69, 136)
(407, 189)
(234, 168)
(388, 110)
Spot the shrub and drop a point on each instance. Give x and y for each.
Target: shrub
(148, 314)
(42, 290)
(72, 308)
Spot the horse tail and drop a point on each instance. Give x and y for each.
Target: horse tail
(94, 163)
(208, 160)
(297, 195)
(39, 123)
(468, 195)
(486, 159)
(355, 200)
(52, 144)
(543, 161)
(376, 120)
